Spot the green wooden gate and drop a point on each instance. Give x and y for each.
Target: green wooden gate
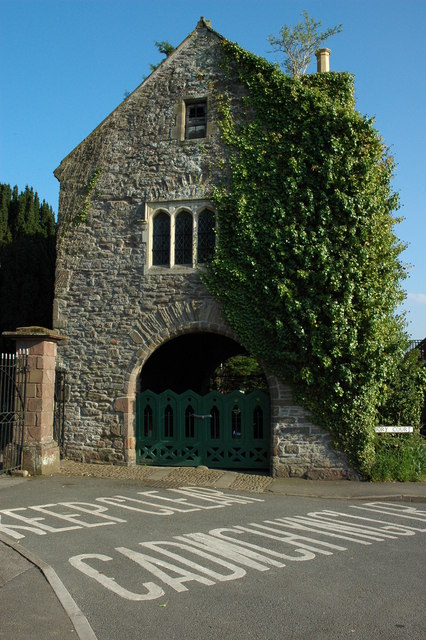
(226, 431)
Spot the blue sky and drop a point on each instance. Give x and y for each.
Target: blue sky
(66, 64)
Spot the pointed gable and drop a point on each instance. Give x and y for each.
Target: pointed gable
(183, 75)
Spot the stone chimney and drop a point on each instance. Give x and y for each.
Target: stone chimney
(323, 60)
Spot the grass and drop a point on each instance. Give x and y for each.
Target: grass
(400, 457)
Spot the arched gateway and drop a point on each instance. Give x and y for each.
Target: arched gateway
(173, 412)
(159, 424)
(185, 417)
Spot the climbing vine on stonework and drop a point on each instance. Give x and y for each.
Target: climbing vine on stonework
(90, 191)
(307, 266)
(78, 214)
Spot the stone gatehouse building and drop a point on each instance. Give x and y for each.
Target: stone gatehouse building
(143, 334)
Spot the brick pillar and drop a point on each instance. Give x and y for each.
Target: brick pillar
(41, 451)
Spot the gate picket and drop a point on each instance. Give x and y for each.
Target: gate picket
(222, 431)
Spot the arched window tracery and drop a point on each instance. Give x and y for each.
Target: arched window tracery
(161, 239)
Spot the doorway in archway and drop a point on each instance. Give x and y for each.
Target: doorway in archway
(188, 414)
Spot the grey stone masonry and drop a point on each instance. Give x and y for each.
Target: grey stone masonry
(116, 308)
(300, 448)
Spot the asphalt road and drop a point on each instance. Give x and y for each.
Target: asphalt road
(197, 563)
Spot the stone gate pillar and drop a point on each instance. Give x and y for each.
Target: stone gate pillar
(41, 451)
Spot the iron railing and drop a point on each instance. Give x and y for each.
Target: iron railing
(59, 411)
(13, 385)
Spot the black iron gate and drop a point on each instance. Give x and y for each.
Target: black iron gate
(59, 412)
(13, 384)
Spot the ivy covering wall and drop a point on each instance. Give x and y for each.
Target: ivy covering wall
(307, 265)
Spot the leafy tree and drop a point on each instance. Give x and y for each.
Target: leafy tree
(307, 266)
(402, 456)
(298, 44)
(27, 259)
(239, 372)
(403, 398)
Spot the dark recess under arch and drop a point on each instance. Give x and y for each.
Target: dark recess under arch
(187, 362)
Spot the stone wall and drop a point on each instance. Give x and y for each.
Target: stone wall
(103, 287)
(114, 308)
(299, 447)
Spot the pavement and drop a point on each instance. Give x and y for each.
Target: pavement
(54, 614)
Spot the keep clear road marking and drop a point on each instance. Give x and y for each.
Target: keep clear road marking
(82, 515)
(234, 550)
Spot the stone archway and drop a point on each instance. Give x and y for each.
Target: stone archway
(151, 332)
(154, 329)
(186, 362)
(185, 418)
(298, 446)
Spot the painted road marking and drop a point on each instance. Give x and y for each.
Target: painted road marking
(82, 515)
(174, 564)
(392, 509)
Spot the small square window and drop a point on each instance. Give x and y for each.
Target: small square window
(196, 120)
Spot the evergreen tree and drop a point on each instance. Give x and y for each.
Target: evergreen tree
(5, 199)
(27, 260)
